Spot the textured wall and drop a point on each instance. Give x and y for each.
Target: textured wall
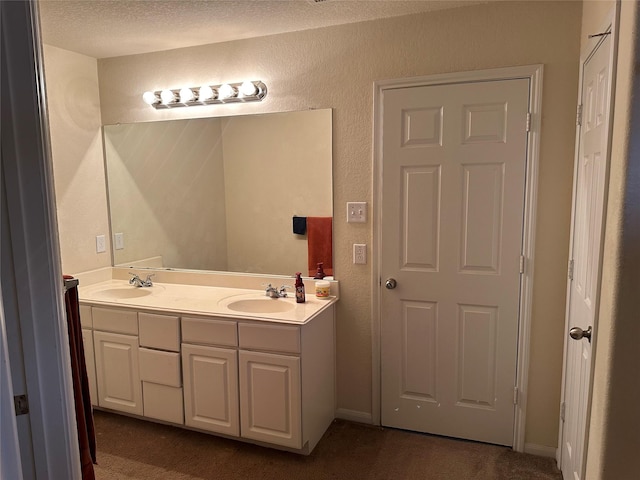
(335, 68)
(78, 167)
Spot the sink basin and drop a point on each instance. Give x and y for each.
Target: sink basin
(260, 305)
(116, 293)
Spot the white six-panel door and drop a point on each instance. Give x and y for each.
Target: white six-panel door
(586, 254)
(453, 185)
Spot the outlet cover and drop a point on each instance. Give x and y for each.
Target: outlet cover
(119, 241)
(359, 254)
(356, 212)
(101, 244)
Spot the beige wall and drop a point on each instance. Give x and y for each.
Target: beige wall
(594, 13)
(335, 68)
(76, 144)
(614, 436)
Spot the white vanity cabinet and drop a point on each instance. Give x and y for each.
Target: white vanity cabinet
(115, 341)
(265, 381)
(160, 370)
(86, 322)
(90, 362)
(210, 372)
(287, 392)
(270, 389)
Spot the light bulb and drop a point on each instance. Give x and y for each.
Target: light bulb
(167, 96)
(206, 93)
(248, 89)
(227, 91)
(150, 98)
(187, 95)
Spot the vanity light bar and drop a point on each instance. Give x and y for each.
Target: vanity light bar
(249, 91)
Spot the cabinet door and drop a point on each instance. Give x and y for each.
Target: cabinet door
(89, 358)
(210, 377)
(119, 386)
(270, 398)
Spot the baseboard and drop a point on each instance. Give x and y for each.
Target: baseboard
(540, 450)
(354, 416)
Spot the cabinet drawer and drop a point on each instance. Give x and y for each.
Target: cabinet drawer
(160, 367)
(204, 331)
(118, 321)
(273, 338)
(85, 316)
(163, 403)
(159, 331)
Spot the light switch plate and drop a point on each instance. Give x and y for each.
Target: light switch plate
(356, 212)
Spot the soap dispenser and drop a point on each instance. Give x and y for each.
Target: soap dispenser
(319, 272)
(300, 297)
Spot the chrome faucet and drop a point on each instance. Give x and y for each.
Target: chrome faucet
(273, 292)
(138, 282)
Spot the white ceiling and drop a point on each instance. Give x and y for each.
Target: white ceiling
(110, 28)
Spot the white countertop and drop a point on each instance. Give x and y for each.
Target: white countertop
(198, 300)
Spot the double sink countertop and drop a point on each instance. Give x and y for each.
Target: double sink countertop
(204, 300)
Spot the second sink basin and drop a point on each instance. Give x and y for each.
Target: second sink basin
(260, 305)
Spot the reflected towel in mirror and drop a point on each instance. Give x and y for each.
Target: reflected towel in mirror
(319, 240)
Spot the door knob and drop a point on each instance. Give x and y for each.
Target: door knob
(577, 333)
(391, 283)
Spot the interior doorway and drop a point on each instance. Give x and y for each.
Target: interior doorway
(456, 172)
(587, 241)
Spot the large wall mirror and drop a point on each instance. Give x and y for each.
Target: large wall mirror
(218, 193)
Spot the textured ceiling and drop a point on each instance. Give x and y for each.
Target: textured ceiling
(111, 28)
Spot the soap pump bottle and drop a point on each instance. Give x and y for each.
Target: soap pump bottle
(300, 297)
(319, 273)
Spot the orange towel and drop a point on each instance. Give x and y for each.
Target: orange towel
(319, 241)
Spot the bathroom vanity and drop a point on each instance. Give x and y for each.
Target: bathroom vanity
(227, 361)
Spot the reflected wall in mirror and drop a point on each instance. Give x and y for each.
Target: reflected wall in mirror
(218, 193)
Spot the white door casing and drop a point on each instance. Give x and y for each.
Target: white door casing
(454, 161)
(10, 457)
(587, 239)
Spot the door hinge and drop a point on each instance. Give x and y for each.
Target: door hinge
(21, 404)
(570, 273)
(528, 125)
(522, 260)
(562, 409)
(579, 115)
(515, 395)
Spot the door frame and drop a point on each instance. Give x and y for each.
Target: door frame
(534, 74)
(37, 276)
(610, 23)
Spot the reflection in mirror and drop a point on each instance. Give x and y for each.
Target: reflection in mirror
(218, 193)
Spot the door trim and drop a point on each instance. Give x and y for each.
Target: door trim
(534, 74)
(609, 24)
(37, 276)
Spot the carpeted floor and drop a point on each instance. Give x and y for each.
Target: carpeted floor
(135, 449)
